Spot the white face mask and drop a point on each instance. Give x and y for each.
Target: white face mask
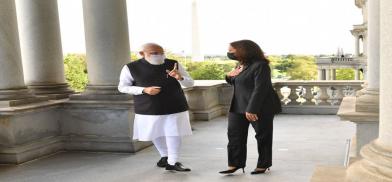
(156, 59)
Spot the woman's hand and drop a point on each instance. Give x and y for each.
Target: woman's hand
(251, 117)
(235, 72)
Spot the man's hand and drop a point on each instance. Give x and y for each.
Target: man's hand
(174, 73)
(152, 90)
(251, 117)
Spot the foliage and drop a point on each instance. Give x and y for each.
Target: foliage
(282, 63)
(207, 70)
(278, 70)
(76, 71)
(345, 74)
(302, 68)
(134, 56)
(210, 69)
(293, 67)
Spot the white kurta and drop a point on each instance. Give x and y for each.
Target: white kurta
(150, 127)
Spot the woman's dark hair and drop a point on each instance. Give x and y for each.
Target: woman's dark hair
(248, 51)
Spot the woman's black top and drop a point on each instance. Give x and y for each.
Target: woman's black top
(253, 91)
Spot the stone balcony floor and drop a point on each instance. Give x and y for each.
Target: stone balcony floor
(301, 142)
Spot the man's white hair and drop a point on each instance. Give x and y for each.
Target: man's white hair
(150, 44)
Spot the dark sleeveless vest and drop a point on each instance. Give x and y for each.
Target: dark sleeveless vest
(170, 100)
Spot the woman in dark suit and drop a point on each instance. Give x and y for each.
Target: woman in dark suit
(254, 102)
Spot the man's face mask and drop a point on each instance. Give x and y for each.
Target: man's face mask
(156, 59)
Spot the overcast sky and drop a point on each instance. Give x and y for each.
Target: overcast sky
(278, 26)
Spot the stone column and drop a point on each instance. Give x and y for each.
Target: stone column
(376, 164)
(107, 46)
(333, 74)
(364, 108)
(197, 54)
(328, 74)
(373, 45)
(385, 135)
(320, 74)
(356, 45)
(101, 118)
(369, 100)
(356, 74)
(39, 31)
(365, 43)
(365, 73)
(12, 86)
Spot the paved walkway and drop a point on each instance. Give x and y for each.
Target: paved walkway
(301, 142)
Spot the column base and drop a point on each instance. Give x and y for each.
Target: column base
(328, 174)
(376, 165)
(53, 91)
(17, 97)
(368, 101)
(101, 92)
(104, 144)
(100, 126)
(31, 131)
(100, 119)
(363, 90)
(15, 94)
(28, 132)
(367, 122)
(18, 154)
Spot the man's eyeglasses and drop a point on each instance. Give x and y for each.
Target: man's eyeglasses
(155, 53)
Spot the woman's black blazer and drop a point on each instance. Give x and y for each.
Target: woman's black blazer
(253, 91)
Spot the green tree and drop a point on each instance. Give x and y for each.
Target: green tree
(134, 56)
(345, 74)
(214, 68)
(278, 70)
(207, 71)
(302, 68)
(293, 67)
(76, 71)
(283, 64)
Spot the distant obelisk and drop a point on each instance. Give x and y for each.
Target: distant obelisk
(197, 54)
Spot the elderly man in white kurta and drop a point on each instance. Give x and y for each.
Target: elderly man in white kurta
(161, 109)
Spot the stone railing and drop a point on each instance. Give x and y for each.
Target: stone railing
(314, 97)
(208, 99)
(341, 60)
(337, 60)
(211, 98)
(361, 59)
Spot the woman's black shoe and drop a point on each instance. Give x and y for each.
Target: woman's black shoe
(177, 167)
(230, 171)
(162, 162)
(258, 171)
